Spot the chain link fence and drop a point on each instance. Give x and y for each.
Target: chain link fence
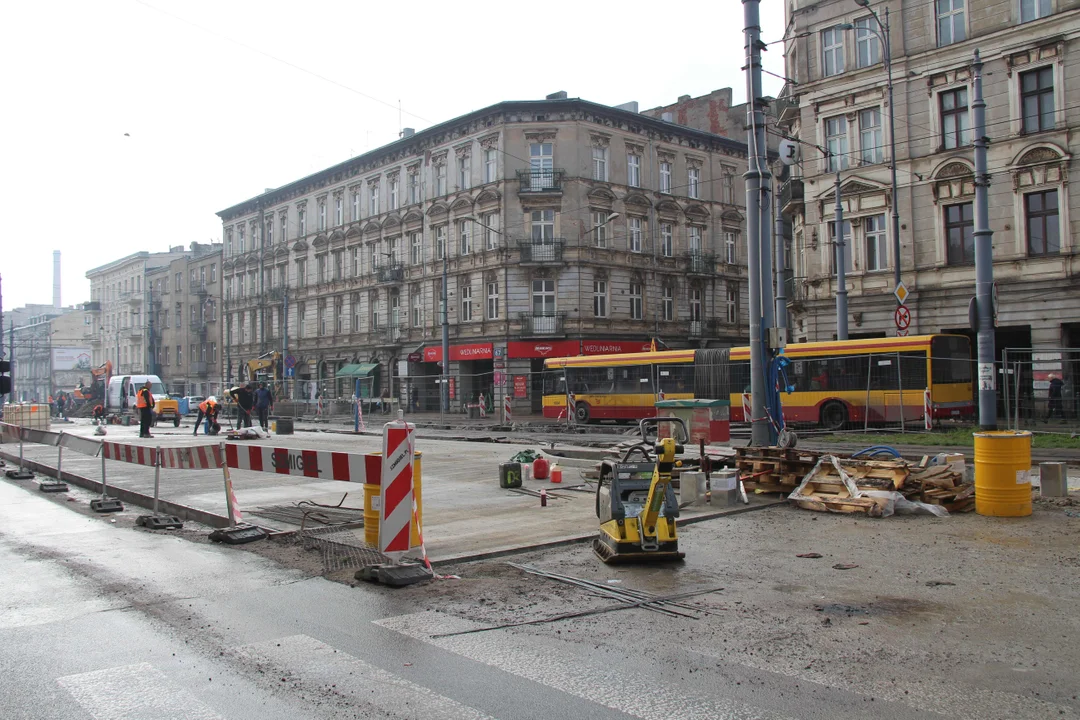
(1039, 390)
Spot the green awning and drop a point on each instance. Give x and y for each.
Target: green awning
(357, 370)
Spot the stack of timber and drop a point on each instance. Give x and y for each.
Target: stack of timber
(940, 485)
(773, 469)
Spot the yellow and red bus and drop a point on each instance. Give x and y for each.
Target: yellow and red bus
(835, 383)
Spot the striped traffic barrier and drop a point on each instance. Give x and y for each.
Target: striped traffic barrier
(928, 410)
(348, 467)
(11, 433)
(748, 414)
(135, 454)
(396, 508)
(508, 414)
(571, 409)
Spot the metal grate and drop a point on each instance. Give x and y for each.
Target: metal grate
(340, 548)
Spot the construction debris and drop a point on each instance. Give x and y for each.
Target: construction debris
(773, 469)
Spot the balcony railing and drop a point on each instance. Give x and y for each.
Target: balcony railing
(543, 324)
(197, 326)
(699, 263)
(92, 306)
(132, 298)
(541, 252)
(391, 334)
(135, 331)
(275, 295)
(786, 106)
(199, 288)
(696, 328)
(791, 196)
(390, 272)
(534, 181)
(198, 368)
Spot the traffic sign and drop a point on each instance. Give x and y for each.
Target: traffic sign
(901, 293)
(416, 357)
(290, 372)
(902, 316)
(290, 361)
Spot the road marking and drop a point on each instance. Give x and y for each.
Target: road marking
(535, 658)
(134, 692)
(313, 664)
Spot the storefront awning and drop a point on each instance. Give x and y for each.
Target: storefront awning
(357, 370)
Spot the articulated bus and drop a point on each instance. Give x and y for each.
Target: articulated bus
(835, 383)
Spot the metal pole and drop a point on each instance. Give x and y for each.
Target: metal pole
(755, 119)
(841, 268)
(445, 329)
(892, 152)
(104, 481)
(984, 259)
(781, 319)
(60, 463)
(262, 273)
(900, 386)
(157, 476)
(765, 226)
(1005, 383)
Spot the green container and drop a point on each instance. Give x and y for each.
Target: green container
(510, 475)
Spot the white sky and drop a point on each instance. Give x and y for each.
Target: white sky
(213, 120)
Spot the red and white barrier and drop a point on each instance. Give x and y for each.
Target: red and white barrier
(571, 408)
(348, 467)
(747, 412)
(202, 457)
(136, 454)
(397, 506)
(508, 413)
(928, 410)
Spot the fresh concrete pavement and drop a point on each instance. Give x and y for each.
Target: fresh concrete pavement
(465, 513)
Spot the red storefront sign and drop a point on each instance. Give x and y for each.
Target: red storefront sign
(479, 351)
(542, 348)
(611, 347)
(521, 386)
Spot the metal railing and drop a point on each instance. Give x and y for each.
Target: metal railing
(696, 328)
(791, 195)
(700, 263)
(540, 181)
(199, 367)
(390, 272)
(542, 324)
(276, 294)
(542, 251)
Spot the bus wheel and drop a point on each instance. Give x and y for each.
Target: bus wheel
(834, 415)
(581, 413)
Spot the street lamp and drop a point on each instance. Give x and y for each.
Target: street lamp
(882, 31)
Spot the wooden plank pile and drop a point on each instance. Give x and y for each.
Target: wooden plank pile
(773, 469)
(943, 485)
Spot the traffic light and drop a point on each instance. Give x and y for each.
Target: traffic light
(5, 381)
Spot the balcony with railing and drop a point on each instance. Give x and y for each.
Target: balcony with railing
(392, 271)
(786, 106)
(542, 252)
(391, 334)
(539, 182)
(543, 324)
(92, 306)
(275, 295)
(199, 288)
(134, 331)
(791, 196)
(199, 368)
(696, 262)
(695, 328)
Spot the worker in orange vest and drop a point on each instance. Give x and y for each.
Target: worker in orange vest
(208, 408)
(144, 401)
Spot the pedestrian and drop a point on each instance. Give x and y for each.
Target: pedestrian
(1054, 396)
(264, 405)
(245, 402)
(144, 401)
(208, 408)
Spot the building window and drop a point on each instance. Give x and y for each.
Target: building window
(284, 227)
(240, 286)
(636, 312)
(228, 242)
(541, 167)
(954, 118)
(339, 315)
(634, 235)
(322, 215)
(491, 230)
(354, 305)
(665, 177)
(1041, 210)
(466, 302)
(355, 205)
(732, 304)
(599, 303)
(440, 179)
(301, 222)
(867, 43)
(693, 239)
(393, 243)
(731, 242)
(832, 47)
(464, 239)
(729, 185)
(877, 249)
(320, 269)
(668, 304)
(871, 139)
(493, 301)
(355, 261)
(374, 314)
(416, 248)
(1033, 9)
(695, 305)
(543, 298)
(950, 22)
(179, 281)
(599, 163)
(179, 356)
(440, 242)
(633, 170)
(959, 234)
(693, 182)
(374, 258)
(417, 307)
(491, 165)
(269, 224)
(213, 273)
(1037, 99)
(339, 270)
(301, 319)
(667, 244)
(373, 199)
(393, 194)
(301, 273)
(464, 172)
(599, 220)
(836, 142)
(240, 239)
(413, 180)
(339, 210)
(321, 309)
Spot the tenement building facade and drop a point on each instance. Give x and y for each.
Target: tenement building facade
(564, 227)
(838, 107)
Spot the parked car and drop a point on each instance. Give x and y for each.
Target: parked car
(193, 403)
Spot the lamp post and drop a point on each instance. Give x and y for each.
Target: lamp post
(882, 31)
(445, 389)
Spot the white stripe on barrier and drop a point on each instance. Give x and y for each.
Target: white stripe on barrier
(396, 509)
(928, 410)
(508, 415)
(81, 445)
(197, 457)
(348, 467)
(135, 454)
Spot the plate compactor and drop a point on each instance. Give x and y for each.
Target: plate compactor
(635, 501)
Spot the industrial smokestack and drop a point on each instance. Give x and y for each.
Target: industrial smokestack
(56, 278)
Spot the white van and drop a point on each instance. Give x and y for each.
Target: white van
(120, 396)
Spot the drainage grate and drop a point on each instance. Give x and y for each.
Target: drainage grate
(340, 548)
(306, 514)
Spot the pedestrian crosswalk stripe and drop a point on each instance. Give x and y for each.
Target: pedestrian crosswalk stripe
(535, 659)
(313, 664)
(133, 692)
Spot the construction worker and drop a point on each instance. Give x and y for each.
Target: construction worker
(264, 404)
(98, 414)
(208, 409)
(144, 401)
(245, 401)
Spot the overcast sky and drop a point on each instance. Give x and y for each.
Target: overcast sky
(128, 124)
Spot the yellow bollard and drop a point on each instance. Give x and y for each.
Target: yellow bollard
(371, 507)
(1003, 473)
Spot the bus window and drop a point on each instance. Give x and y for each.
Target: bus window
(950, 359)
(634, 379)
(554, 382)
(675, 378)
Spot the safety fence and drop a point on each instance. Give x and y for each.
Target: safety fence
(1039, 389)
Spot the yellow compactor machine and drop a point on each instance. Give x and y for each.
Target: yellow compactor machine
(635, 501)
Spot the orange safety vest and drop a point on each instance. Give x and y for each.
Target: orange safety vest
(144, 399)
(205, 406)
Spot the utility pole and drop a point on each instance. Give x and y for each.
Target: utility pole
(984, 259)
(262, 273)
(756, 174)
(841, 267)
(445, 394)
(781, 260)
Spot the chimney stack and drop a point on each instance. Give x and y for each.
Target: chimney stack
(56, 278)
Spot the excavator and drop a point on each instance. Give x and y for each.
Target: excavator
(635, 502)
(99, 380)
(267, 365)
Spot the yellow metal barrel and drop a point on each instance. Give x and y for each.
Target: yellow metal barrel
(371, 507)
(1003, 473)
